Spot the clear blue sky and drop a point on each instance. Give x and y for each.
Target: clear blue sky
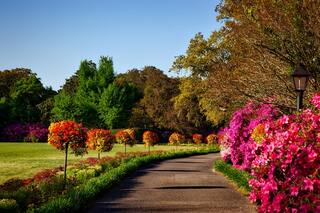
(52, 37)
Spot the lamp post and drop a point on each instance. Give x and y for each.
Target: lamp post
(300, 80)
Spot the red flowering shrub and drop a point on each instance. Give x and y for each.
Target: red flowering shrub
(150, 138)
(126, 137)
(176, 139)
(286, 167)
(68, 132)
(100, 139)
(197, 138)
(211, 139)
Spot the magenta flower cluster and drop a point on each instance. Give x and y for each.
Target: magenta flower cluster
(235, 140)
(286, 167)
(285, 164)
(32, 132)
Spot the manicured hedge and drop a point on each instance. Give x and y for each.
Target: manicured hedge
(239, 177)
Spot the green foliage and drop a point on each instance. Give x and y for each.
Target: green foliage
(20, 93)
(98, 100)
(239, 177)
(64, 107)
(8, 78)
(8, 205)
(116, 103)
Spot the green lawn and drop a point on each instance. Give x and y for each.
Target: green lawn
(25, 159)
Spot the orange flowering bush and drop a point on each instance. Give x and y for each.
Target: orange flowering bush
(69, 133)
(197, 138)
(126, 137)
(211, 139)
(149, 138)
(176, 138)
(100, 140)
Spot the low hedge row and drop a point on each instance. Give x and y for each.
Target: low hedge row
(239, 177)
(77, 198)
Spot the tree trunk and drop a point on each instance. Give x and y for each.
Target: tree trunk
(99, 155)
(65, 166)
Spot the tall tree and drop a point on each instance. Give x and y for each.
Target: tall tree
(252, 55)
(116, 103)
(96, 89)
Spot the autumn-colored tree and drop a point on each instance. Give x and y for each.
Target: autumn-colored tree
(100, 140)
(163, 105)
(197, 138)
(126, 137)
(211, 139)
(150, 138)
(176, 139)
(187, 104)
(65, 134)
(252, 55)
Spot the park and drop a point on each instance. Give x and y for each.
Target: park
(160, 106)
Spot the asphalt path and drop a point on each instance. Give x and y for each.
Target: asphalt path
(178, 185)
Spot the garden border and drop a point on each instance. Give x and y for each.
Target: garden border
(78, 198)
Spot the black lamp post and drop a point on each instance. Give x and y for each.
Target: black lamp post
(300, 79)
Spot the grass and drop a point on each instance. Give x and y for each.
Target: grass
(238, 177)
(25, 159)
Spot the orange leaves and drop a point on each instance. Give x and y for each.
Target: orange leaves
(176, 138)
(197, 138)
(149, 138)
(211, 139)
(126, 137)
(73, 133)
(100, 140)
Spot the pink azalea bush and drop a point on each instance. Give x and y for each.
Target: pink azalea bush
(235, 141)
(286, 167)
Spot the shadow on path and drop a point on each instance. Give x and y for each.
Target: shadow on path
(178, 185)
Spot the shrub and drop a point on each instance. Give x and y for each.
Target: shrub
(12, 184)
(197, 138)
(176, 139)
(211, 139)
(150, 138)
(101, 140)
(8, 205)
(36, 133)
(14, 132)
(286, 167)
(235, 140)
(32, 132)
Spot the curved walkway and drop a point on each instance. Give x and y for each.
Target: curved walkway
(178, 185)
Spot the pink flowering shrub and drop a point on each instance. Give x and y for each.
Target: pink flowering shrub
(32, 132)
(235, 141)
(286, 167)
